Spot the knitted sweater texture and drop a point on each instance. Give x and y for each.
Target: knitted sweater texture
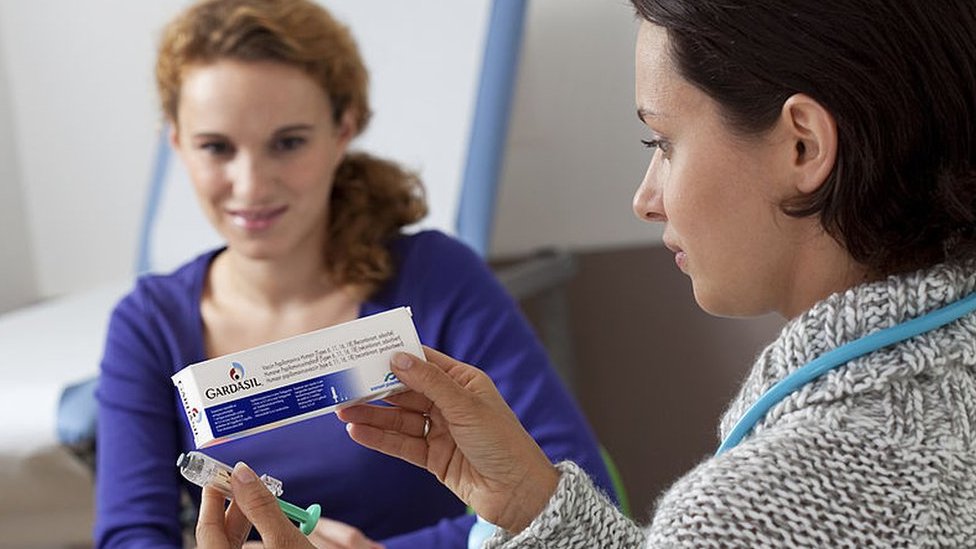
(877, 453)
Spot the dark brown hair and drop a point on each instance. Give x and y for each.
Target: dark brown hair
(898, 76)
(372, 199)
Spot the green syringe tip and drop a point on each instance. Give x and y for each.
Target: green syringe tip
(314, 512)
(306, 518)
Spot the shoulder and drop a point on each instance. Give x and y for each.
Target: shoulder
(452, 291)
(156, 326)
(173, 293)
(441, 262)
(414, 248)
(810, 484)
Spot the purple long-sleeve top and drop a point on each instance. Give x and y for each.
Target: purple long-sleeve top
(458, 307)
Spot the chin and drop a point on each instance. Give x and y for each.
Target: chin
(726, 303)
(253, 250)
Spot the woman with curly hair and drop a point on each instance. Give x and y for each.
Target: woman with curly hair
(263, 99)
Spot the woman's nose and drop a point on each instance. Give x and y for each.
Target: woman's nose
(648, 204)
(251, 177)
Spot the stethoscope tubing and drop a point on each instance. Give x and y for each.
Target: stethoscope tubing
(840, 356)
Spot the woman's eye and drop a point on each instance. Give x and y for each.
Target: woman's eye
(216, 148)
(660, 144)
(289, 143)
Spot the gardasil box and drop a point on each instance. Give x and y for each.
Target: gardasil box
(297, 378)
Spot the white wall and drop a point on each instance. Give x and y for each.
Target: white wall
(82, 102)
(81, 99)
(574, 155)
(16, 263)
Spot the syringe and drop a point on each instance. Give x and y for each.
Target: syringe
(203, 470)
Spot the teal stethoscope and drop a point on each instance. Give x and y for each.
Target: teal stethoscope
(840, 356)
(808, 373)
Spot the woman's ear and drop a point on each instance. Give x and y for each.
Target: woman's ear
(347, 126)
(345, 129)
(174, 135)
(813, 132)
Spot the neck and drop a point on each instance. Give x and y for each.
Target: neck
(824, 270)
(273, 284)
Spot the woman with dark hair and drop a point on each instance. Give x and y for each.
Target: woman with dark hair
(263, 98)
(816, 159)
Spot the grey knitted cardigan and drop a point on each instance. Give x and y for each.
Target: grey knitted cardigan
(878, 453)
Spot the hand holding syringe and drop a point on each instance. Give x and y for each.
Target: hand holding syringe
(203, 470)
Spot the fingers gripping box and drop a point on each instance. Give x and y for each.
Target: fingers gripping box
(297, 378)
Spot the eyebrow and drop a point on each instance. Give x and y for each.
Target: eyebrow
(207, 135)
(294, 127)
(281, 130)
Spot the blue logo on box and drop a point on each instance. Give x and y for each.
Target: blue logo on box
(195, 415)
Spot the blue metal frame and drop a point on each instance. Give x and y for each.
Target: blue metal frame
(486, 147)
(161, 165)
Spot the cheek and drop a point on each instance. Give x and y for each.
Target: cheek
(314, 167)
(310, 181)
(710, 186)
(207, 182)
(684, 197)
(210, 188)
(706, 211)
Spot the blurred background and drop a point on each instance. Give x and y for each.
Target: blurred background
(79, 136)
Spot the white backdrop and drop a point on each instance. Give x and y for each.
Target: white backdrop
(17, 285)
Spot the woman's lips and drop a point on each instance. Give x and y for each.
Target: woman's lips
(256, 219)
(681, 260)
(680, 257)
